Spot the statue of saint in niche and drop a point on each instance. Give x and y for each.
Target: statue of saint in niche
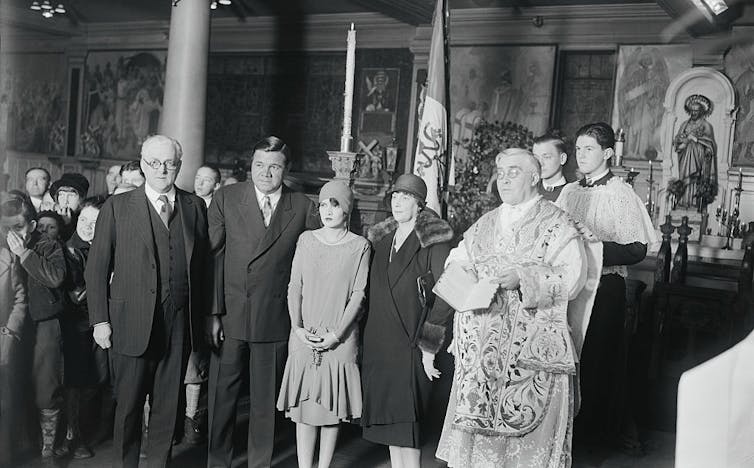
(697, 151)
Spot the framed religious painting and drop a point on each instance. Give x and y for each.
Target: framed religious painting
(122, 102)
(501, 83)
(379, 101)
(643, 75)
(739, 67)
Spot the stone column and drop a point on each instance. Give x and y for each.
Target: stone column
(184, 104)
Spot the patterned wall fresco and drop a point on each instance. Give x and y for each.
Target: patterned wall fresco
(739, 66)
(504, 83)
(122, 102)
(298, 97)
(644, 74)
(34, 97)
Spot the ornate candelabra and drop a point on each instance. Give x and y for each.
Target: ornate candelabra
(732, 225)
(650, 204)
(630, 176)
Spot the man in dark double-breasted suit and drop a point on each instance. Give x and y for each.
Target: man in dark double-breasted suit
(253, 232)
(147, 290)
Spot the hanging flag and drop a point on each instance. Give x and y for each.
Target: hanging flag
(431, 149)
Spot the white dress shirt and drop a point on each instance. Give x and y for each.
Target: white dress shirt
(153, 197)
(274, 197)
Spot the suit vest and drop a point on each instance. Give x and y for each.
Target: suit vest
(171, 257)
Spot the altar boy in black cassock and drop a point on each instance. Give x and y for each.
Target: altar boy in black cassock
(610, 208)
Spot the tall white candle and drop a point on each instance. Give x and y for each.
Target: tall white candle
(345, 139)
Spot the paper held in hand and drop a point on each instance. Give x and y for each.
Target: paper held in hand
(462, 290)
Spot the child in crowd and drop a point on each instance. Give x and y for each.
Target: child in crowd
(13, 312)
(83, 372)
(50, 224)
(43, 260)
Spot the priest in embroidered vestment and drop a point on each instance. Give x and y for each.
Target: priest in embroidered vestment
(512, 400)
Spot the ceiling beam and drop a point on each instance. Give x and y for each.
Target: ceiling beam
(24, 19)
(412, 12)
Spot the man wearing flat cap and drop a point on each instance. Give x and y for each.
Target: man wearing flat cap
(253, 230)
(68, 192)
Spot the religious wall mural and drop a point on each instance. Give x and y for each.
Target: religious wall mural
(643, 76)
(123, 92)
(503, 83)
(34, 102)
(739, 67)
(299, 97)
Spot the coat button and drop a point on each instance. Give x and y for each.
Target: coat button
(151, 291)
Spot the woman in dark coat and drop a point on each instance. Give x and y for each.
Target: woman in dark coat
(401, 336)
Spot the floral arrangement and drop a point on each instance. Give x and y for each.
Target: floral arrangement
(706, 192)
(470, 199)
(676, 188)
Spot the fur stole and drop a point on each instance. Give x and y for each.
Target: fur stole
(429, 228)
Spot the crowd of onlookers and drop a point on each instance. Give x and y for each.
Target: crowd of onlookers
(177, 289)
(45, 332)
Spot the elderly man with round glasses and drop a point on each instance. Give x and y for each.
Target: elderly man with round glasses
(147, 289)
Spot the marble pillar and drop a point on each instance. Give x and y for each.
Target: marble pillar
(184, 104)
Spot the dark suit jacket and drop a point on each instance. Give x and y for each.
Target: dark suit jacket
(124, 246)
(13, 307)
(253, 264)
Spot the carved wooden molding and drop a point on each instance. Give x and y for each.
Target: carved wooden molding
(408, 11)
(582, 26)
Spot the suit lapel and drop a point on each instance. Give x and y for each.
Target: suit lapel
(251, 215)
(402, 258)
(280, 219)
(140, 216)
(188, 221)
(383, 252)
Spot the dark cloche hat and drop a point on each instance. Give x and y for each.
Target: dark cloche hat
(73, 180)
(411, 184)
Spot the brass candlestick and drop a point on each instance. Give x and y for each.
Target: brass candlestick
(734, 214)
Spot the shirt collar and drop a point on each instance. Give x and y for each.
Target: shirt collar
(153, 194)
(591, 180)
(274, 196)
(521, 208)
(558, 182)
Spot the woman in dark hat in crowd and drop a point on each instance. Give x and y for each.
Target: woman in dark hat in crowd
(405, 324)
(68, 192)
(321, 384)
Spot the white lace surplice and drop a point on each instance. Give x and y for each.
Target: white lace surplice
(613, 212)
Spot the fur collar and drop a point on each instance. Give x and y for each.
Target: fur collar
(429, 228)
